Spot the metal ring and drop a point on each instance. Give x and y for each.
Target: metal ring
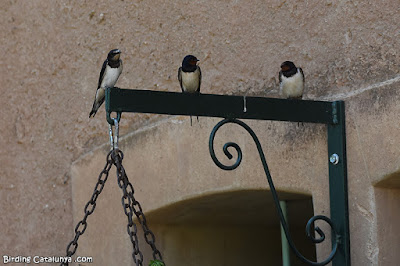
(110, 120)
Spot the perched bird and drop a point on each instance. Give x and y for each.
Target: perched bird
(109, 74)
(189, 76)
(291, 81)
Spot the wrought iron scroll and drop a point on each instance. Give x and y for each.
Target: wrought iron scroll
(311, 222)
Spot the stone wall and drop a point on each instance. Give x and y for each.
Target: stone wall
(52, 152)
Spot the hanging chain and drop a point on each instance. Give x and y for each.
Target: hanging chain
(131, 204)
(89, 208)
(126, 200)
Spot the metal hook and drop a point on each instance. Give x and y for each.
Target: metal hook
(114, 136)
(110, 131)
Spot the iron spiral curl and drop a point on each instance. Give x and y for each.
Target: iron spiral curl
(310, 223)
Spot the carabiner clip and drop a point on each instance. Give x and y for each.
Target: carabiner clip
(114, 136)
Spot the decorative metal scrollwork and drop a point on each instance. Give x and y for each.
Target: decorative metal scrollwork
(311, 222)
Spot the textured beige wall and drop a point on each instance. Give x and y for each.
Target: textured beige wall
(52, 52)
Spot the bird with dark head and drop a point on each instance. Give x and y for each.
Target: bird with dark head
(189, 76)
(109, 74)
(291, 81)
(114, 56)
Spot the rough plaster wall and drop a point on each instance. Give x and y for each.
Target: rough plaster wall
(52, 52)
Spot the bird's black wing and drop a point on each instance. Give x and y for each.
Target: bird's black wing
(103, 69)
(302, 74)
(180, 78)
(280, 76)
(198, 89)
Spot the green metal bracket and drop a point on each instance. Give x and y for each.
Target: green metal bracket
(338, 183)
(212, 105)
(260, 108)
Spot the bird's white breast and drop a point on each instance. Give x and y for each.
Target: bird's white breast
(293, 86)
(110, 76)
(190, 81)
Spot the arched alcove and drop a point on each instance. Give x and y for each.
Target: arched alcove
(387, 199)
(230, 228)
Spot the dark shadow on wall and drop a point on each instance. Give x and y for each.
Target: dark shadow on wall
(387, 197)
(231, 228)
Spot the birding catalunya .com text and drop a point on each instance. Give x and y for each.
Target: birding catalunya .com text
(44, 259)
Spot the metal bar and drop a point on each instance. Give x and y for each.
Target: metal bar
(338, 184)
(212, 105)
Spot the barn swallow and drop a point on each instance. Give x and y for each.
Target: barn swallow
(109, 74)
(189, 76)
(291, 81)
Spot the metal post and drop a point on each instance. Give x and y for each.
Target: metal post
(338, 183)
(284, 241)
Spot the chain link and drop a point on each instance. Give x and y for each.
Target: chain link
(128, 190)
(130, 205)
(127, 205)
(89, 208)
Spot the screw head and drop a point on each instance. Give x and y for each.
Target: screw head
(334, 159)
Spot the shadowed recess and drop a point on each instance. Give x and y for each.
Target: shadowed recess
(246, 207)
